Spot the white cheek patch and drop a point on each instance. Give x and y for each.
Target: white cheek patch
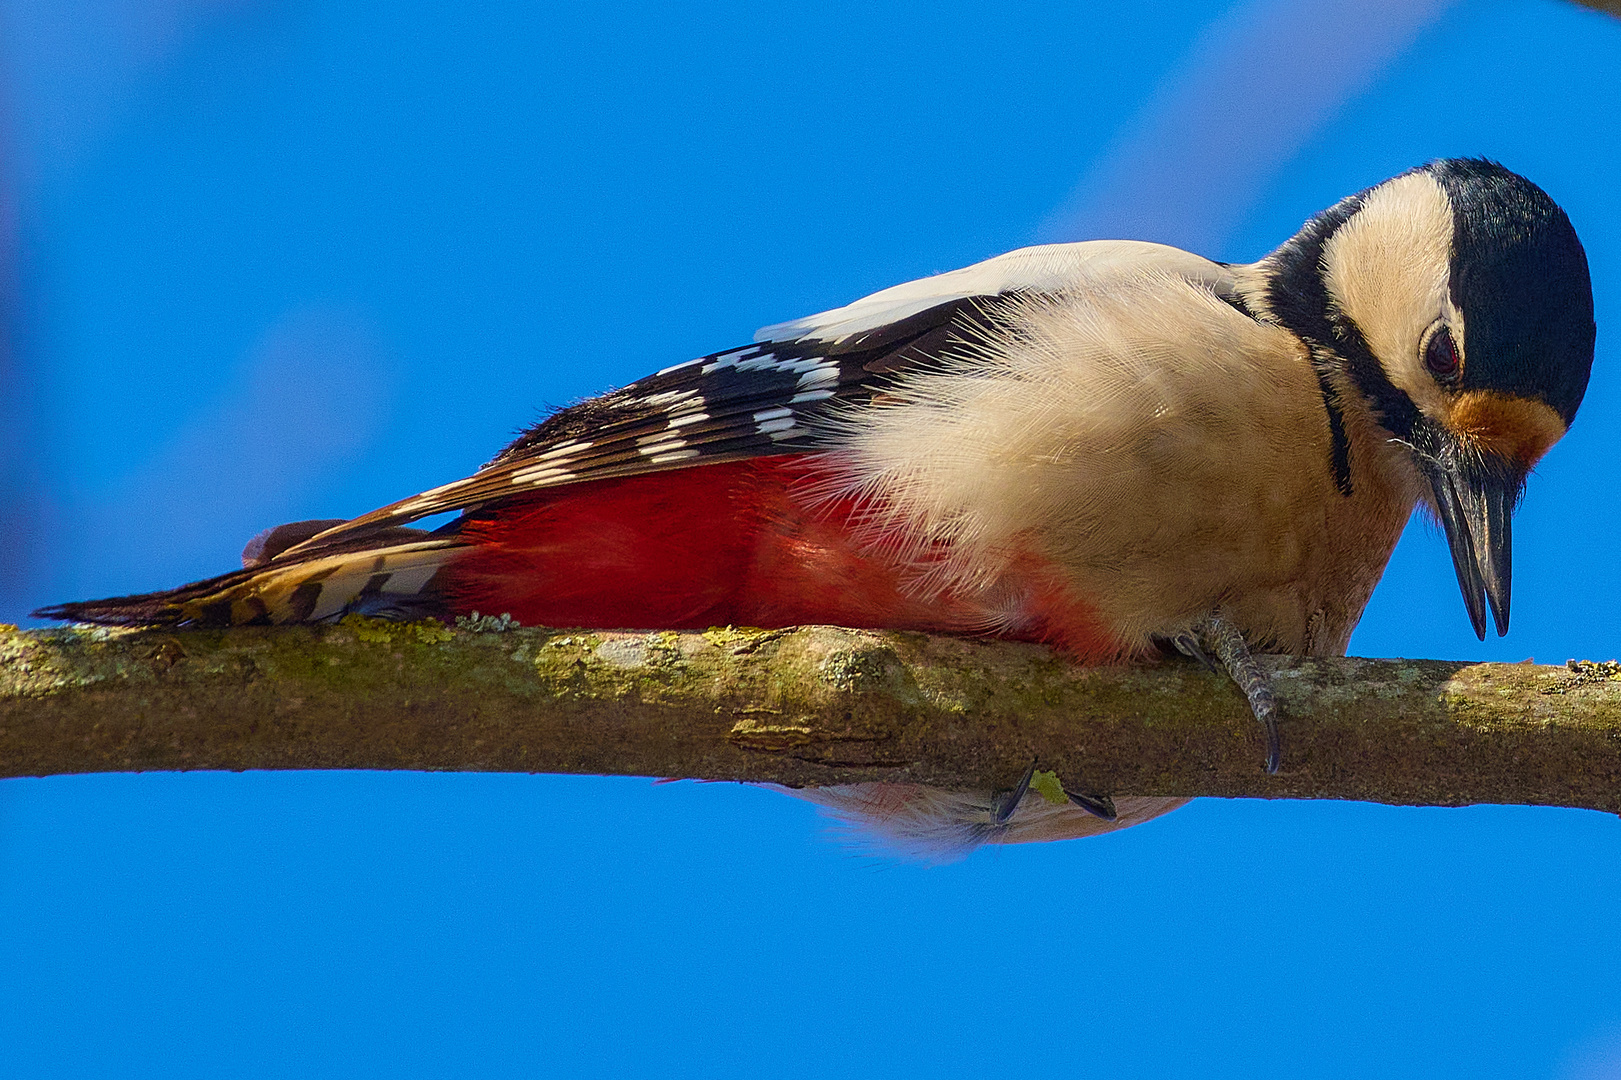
(1388, 268)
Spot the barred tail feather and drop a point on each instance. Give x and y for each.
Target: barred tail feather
(398, 580)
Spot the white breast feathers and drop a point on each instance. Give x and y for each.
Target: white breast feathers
(1157, 444)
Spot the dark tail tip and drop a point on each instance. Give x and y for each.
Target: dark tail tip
(151, 609)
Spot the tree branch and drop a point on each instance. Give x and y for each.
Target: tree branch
(805, 707)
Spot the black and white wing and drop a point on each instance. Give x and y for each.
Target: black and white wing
(769, 396)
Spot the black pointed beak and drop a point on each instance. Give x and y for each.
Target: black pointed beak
(1475, 496)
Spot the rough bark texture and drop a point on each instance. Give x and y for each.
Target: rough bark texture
(810, 706)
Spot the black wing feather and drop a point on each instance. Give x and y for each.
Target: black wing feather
(758, 400)
(753, 401)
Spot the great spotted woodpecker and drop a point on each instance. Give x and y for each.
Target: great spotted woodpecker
(1109, 446)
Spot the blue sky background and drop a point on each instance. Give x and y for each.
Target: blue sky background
(275, 260)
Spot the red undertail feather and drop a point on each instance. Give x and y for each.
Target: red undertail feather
(745, 543)
(729, 543)
(697, 547)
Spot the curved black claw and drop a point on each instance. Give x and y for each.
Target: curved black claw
(1187, 643)
(1274, 746)
(1097, 805)
(1224, 639)
(1003, 805)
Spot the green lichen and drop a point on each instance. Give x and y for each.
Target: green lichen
(386, 632)
(44, 661)
(574, 641)
(1590, 671)
(565, 664)
(740, 639)
(488, 624)
(663, 648)
(859, 669)
(1045, 784)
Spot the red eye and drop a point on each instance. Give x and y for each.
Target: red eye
(1441, 355)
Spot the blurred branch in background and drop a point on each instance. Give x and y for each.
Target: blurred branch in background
(812, 706)
(1611, 6)
(1188, 166)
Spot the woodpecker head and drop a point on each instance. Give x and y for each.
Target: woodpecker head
(1455, 299)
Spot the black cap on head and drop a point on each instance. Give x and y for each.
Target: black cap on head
(1519, 275)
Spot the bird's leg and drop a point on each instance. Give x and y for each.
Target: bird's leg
(1217, 635)
(1005, 803)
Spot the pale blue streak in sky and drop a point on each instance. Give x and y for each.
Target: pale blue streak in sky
(1260, 81)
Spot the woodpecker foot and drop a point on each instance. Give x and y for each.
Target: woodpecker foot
(1187, 643)
(1217, 635)
(1004, 803)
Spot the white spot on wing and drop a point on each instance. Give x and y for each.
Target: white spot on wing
(757, 363)
(729, 359)
(668, 399)
(817, 376)
(428, 499)
(766, 427)
(679, 455)
(416, 505)
(541, 474)
(772, 414)
(564, 448)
